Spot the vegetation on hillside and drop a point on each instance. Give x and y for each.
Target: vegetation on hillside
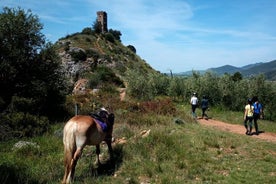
(176, 150)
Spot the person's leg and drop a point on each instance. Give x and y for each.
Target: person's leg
(250, 125)
(245, 125)
(193, 111)
(205, 113)
(256, 117)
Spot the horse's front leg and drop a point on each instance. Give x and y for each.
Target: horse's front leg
(98, 151)
(110, 149)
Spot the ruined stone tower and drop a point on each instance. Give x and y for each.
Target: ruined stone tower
(102, 19)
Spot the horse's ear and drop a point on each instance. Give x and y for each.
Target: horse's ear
(111, 118)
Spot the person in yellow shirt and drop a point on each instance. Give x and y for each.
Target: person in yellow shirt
(248, 116)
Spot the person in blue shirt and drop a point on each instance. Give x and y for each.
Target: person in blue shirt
(258, 111)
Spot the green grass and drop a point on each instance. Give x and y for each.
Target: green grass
(172, 153)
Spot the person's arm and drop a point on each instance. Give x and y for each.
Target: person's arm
(245, 113)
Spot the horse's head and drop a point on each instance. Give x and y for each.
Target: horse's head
(110, 123)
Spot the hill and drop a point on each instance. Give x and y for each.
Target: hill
(267, 68)
(84, 54)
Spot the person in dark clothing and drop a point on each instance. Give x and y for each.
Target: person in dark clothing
(258, 111)
(204, 106)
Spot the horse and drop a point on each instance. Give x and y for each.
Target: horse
(82, 130)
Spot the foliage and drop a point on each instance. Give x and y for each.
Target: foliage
(228, 91)
(31, 74)
(79, 55)
(109, 37)
(116, 34)
(87, 30)
(146, 86)
(23, 125)
(132, 48)
(158, 106)
(17, 47)
(102, 76)
(237, 76)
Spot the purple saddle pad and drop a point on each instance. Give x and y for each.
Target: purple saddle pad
(102, 124)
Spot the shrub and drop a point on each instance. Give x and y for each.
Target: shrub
(132, 48)
(87, 31)
(109, 37)
(24, 124)
(79, 55)
(102, 76)
(159, 106)
(116, 34)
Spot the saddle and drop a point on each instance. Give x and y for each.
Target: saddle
(100, 121)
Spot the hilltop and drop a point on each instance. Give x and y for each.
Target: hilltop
(82, 55)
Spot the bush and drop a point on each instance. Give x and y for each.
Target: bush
(132, 48)
(20, 104)
(23, 124)
(87, 31)
(109, 37)
(102, 76)
(79, 55)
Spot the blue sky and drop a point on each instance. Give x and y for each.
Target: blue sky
(177, 35)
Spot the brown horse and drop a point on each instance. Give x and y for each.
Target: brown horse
(80, 131)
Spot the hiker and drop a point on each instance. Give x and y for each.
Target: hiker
(194, 104)
(258, 111)
(248, 116)
(204, 107)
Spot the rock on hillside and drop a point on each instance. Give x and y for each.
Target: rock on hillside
(81, 54)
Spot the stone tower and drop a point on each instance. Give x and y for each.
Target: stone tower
(102, 19)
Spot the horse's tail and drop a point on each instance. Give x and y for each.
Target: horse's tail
(69, 143)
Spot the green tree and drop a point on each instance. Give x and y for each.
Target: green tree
(31, 76)
(20, 40)
(116, 34)
(237, 76)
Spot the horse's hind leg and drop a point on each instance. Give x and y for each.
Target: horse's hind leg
(74, 161)
(67, 163)
(70, 166)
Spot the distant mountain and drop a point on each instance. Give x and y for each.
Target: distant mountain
(268, 69)
(224, 69)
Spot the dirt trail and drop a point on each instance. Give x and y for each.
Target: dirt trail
(239, 129)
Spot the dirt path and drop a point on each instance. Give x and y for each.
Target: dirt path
(239, 129)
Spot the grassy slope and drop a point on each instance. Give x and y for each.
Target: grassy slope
(172, 153)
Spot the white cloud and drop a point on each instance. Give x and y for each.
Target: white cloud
(177, 34)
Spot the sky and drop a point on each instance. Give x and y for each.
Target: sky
(171, 35)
